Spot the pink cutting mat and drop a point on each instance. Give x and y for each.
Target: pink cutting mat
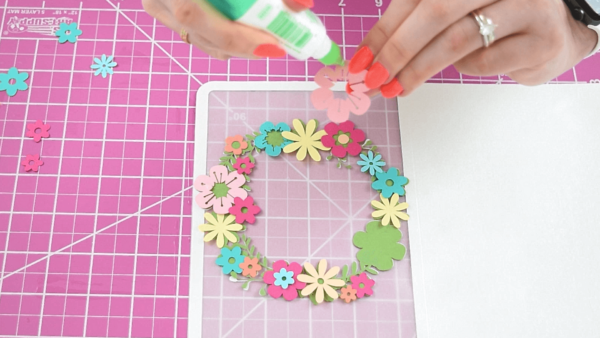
(97, 243)
(310, 211)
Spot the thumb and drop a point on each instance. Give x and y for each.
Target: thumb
(299, 5)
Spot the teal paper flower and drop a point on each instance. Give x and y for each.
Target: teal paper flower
(230, 260)
(68, 32)
(390, 182)
(370, 163)
(284, 278)
(13, 81)
(270, 138)
(104, 66)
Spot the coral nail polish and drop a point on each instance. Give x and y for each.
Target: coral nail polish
(361, 60)
(391, 89)
(305, 3)
(269, 50)
(376, 76)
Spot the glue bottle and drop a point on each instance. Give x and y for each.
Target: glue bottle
(301, 34)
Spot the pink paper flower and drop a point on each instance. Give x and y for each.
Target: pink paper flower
(244, 210)
(362, 284)
(219, 188)
(243, 165)
(33, 127)
(354, 100)
(32, 162)
(286, 288)
(343, 139)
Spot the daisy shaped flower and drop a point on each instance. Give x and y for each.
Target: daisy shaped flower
(221, 227)
(68, 32)
(371, 163)
(321, 281)
(389, 210)
(13, 81)
(390, 182)
(219, 188)
(32, 162)
(354, 100)
(235, 144)
(343, 139)
(271, 138)
(244, 210)
(305, 140)
(286, 282)
(362, 284)
(250, 267)
(230, 260)
(104, 65)
(32, 129)
(243, 165)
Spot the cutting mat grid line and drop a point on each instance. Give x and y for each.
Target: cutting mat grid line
(124, 147)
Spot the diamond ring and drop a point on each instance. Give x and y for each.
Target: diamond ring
(486, 28)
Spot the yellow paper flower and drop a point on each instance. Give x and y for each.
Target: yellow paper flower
(390, 210)
(221, 228)
(306, 140)
(321, 281)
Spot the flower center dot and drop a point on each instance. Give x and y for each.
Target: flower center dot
(37, 130)
(68, 32)
(12, 81)
(231, 260)
(243, 166)
(244, 210)
(343, 139)
(250, 267)
(361, 285)
(235, 145)
(31, 162)
(283, 278)
(274, 138)
(389, 183)
(220, 190)
(320, 281)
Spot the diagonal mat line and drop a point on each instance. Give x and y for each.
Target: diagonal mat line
(92, 234)
(154, 42)
(243, 318)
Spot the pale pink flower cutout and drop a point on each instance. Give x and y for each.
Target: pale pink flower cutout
(32, 127)
(219, 188)
(32, 162)
(338, 109)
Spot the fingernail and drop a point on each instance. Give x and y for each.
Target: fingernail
(361, 60)
(348, 89)
(376, 76)
(305, 3)
(391, 89)
(269, 50)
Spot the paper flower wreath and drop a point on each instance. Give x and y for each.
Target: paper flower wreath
(224, 190)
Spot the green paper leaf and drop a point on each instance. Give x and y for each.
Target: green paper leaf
(252, 160)
(263, 291)
(246, 187)
(370, 270)
(257, 133)
(265, 262)
(245, 285)
(234, 274)
(339, 165)
(354, 268)
(329, 157)
(252, 250)
(250, 137)
(374, 148)
(345, 272)
(348, 167)
(312, 298)
(225, 158)
(379, 246)
(247, 177)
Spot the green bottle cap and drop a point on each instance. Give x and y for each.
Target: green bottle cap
(334, 57)
(233, 9)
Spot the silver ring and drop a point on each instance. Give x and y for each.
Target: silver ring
(486, 28)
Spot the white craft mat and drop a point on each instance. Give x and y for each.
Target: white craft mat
(310, 211)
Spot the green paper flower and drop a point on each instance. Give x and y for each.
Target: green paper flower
(379, 246)
(13, 81)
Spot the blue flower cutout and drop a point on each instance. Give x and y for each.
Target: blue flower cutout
(390, 182)
(68, 32)
(284, 278)
(370, 163)
(13, 81)
(230, 260)
(270, 138)
(104, 66)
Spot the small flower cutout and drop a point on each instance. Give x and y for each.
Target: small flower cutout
(371, 163)
(32, 130)
(104, 65)
(250, 267)
(244, 210)
(271, 138)
(348, 294)
(68, 32)
(343, 139)
(305, 140)
(13, 81)
(362, 284)
(219, 188)
(32, 162)
(286, 282)
(235, 144)
(321, 281)
(243, 165)
(221, 227)
(390, 182)
(230, 260)
(389, 210)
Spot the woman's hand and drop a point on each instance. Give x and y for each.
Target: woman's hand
(213, 33)
(536, 40)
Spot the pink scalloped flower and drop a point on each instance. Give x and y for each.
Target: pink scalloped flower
(33, 127)
(286, 288)
(243, 165)
(32, 162)
(362, 284)
(244, 210)
(343, 139)
(356, 100)
(219, 188)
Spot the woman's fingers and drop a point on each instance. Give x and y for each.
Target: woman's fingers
(427, 21)
(457, 42)
(393, 17)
